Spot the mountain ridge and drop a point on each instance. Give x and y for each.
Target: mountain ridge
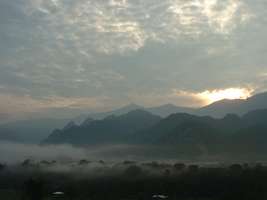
(237, 106)
(185, 132)
(36, 130)
(112, 129)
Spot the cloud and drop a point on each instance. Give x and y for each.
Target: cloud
(15, 105)
(127, 51)
(121, 26)
(210, 96)
(174, 96)
(228, 93)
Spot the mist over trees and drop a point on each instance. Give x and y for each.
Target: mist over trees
(85, 179)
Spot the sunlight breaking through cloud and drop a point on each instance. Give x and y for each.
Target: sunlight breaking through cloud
(211, 96)
(229, 93)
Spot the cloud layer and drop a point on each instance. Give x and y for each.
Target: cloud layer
(93, 54)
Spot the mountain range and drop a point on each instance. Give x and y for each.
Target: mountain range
(237, 106)
(37, 130)
(184, 132)
(217, 109)
(163, 111)
(110, 130)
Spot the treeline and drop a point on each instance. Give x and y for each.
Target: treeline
(133, 181)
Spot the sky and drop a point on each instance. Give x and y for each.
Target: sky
(96, 55)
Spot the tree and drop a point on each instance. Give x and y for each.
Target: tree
(179, 166)
(2, 166)
(34, 189)
(133, 171)
(193, 168)
(27, 163)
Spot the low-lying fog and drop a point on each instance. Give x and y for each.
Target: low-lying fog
(13, 153)
(119, 172)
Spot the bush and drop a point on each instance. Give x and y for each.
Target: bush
(133, 171)
(179, 166)
(2, 166)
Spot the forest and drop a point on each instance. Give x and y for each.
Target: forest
(130, 180)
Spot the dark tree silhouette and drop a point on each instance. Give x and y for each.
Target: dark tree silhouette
(34, 189)
(179, 166)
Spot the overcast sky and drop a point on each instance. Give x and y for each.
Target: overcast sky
(100, 54)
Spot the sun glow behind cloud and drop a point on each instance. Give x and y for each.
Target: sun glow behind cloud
(199, 99)
(229, 93)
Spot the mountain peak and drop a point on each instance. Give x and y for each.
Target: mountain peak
(70, 125)
(259, 95)
(139, 112)
(168, 105)
(237, 106)
(87, 122)
(226, 101)
(132, 106)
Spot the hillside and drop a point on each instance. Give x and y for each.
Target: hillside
(187, 134)
(112, 129)
(238, 106)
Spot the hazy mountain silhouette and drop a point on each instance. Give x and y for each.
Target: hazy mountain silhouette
(168, 109)
(237, 106)
(249, 140)
(33, 131)
(253, 136)
(217, 109)
(112, 129)
(163, 111)
(102, 115)
(187, 133)
(36, 130)
(194, 136)
(256, 117)
(247, 134)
